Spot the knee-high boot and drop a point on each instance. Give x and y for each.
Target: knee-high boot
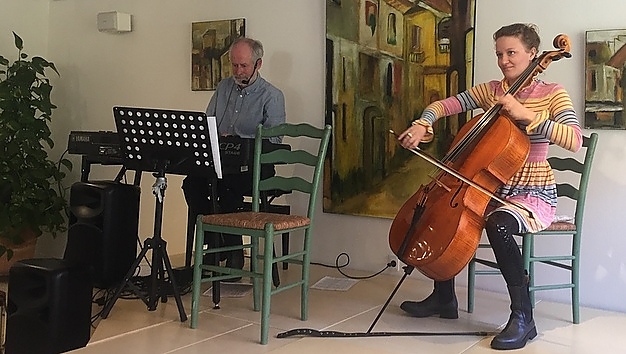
(442, 302)
(521, 325)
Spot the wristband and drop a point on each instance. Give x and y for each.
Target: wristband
(430, 134)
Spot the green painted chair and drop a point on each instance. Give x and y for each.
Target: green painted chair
(263, 227)
(573, 229)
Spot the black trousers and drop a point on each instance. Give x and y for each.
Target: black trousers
(230, 192)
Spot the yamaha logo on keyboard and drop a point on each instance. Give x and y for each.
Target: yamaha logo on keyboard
(80, 138)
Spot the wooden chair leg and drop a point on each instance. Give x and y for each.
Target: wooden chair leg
(304, 288)
(197, 276)
(268, 261)
(471, 283)
(527, 254)
(254, 267)
(575, 291)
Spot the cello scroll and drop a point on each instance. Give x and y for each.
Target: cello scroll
(562, 43)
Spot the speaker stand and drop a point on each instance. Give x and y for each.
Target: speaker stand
(160, 261)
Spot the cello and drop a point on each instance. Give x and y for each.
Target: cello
(437, 230)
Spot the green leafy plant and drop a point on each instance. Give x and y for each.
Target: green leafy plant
(31, 197)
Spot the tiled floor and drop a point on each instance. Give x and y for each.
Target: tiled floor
(131, 328)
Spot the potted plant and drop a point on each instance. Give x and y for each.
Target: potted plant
(31, 195)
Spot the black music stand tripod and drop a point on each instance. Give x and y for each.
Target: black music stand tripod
(160, 141)
(160, 262)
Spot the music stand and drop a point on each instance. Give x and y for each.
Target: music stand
(163, 141)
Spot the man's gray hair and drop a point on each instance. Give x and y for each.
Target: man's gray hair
(255, 45)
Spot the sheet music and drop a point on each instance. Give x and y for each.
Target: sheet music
(215, 145)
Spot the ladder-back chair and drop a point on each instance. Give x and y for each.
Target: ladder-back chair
(573, 229)
(262, 227)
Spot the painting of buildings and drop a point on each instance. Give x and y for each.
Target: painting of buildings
(210, 41)
(386, 60)
(604, 84)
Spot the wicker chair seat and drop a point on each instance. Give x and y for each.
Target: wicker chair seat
(257, 220)
(561, 226)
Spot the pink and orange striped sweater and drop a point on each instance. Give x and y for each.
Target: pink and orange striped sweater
(533, 185)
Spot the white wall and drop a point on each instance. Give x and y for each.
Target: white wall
(34, 31)
(151, 67)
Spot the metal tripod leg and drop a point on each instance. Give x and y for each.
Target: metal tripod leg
(128, 283)
(157, 286)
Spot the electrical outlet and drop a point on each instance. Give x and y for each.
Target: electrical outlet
(393, 260)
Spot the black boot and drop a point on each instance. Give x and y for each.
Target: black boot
(442, 302)
(521, 325)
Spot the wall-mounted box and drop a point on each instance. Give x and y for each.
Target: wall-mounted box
(114, 21)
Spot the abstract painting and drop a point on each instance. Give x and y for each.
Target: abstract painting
(604, 79)
(386, 60)
(210, 41)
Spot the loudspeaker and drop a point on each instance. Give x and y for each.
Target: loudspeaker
(103, 229)
(49, 306)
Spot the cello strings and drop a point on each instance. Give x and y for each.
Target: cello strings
(486, 119)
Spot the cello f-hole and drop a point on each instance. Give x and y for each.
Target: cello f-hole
(454, 204)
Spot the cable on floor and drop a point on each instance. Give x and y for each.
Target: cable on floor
(391, 264)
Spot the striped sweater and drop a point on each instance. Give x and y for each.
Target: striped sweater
(533, 186)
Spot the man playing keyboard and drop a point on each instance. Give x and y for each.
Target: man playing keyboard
(240, 103)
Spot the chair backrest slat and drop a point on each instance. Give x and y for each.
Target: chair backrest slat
(308, 183)
(289, 157)
(286, 184)
(294, 130)
(566, 164)
(567, 190)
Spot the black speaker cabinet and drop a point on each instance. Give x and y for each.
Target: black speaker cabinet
(103, 229)
(49, 306)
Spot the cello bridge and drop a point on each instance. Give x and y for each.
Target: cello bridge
(440, 184)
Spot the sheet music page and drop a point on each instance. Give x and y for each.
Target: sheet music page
(215, 146)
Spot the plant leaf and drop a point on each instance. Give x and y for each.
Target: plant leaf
(19, 44)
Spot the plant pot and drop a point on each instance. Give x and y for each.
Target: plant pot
(22, 251)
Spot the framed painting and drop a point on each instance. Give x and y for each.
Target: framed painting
(210, 41)
(604, 79)
(385, 62)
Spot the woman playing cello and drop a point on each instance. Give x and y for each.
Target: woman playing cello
(545, 112)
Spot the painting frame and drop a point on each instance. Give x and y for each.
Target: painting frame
(605, 79)
(210, 41)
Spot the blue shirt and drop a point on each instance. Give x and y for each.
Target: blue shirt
(238, 111)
